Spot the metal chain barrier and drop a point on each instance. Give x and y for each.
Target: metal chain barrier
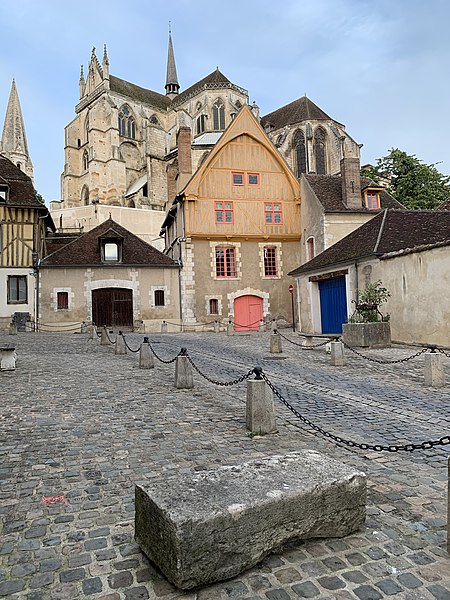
(166, 362)
(442, 351)
(109, 339)
(130, 349)
(328, 340)
(443, 441)
(248, 325)
(215, 382)
(385, 362)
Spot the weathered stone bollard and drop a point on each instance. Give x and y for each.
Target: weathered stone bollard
(308, 343)
(84, 327)
(261, 326)
(120, 346)
(146, 360)
(12, 328)
(183, 372)
(164, 327)
(104, 341)
(230, 329)
(92, 332)
(260, 412)
(275, 342)
(433, 371)
(448, 509)
(337, 354)
(7, 357)
(274, 325)
(216, 327)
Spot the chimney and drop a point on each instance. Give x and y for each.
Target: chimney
(351, 183)
(184, 156)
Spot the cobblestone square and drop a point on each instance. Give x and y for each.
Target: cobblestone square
(80, 425)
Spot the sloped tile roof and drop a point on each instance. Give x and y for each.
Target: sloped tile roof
(328, 190)
(85, 251)
(21, 189)
(214, 79)
(302, 109)
(390, 231)
(125, 88)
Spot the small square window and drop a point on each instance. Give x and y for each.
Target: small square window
(224, 212)
(159, 298)
(62, 300)
(253, 179)
(238, 179)
(213, 306)
(373, 200)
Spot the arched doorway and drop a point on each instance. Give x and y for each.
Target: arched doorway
(248, 311)
(112, 307)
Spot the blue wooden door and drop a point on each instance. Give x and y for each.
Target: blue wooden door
(333, 304)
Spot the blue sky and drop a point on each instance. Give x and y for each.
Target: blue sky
(380, 67)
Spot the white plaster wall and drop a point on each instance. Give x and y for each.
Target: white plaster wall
(7, 310)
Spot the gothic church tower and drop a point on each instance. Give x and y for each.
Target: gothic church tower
(14, 140)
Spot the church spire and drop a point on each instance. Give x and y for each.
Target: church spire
(172, 85)
(14, 140)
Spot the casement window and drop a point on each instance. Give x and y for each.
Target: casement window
(111, 251)
(213, 306)
(17, 292)
(238, 178)
(62, 300)
(372, 200)
(270, 261)
(272, 213)
(250, 179)
(310, 247)
(159, 298)
(127, 125)
(253, 178)
(224, 212)
(225, 262)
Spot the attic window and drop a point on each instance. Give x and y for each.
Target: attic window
(372, 200)
(111, 250)
(3, 193)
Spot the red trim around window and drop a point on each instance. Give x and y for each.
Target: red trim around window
(235, 176)
(372, 200)
(224, 213)
(273, 213)
(225, 262)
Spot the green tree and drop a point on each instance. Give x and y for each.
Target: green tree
(411, 181)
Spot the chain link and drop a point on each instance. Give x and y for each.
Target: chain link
(166, 362)
(130, 349)
(442, 351)
(385, 362)
(327, 341)
(443, 441)
(215, 382)
(109, 339)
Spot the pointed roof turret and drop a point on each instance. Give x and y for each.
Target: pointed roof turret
(105, 63)
(82, 82)
(172, 86)
(14, 143)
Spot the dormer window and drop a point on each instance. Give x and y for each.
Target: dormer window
(3, 193)
(372, 200)
(111, 249)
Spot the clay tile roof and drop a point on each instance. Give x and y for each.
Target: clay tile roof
(138, 93)
(84, 250)
(302, 109)
(328, 191)
(214, 79)
(392, 230)
(21, 189)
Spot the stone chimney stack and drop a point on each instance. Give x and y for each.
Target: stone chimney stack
(351, 183)
(184, 156)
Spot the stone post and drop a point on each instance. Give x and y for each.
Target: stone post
(146, 360)
(104, 341)
(261, 326)
(84, 327)
(308, 341)
(92, 332)
(216, 327)
(275, 343)
(12, 328)
(448, 508)
(274, 325)
(260, 412)
(433, 371)
(164, 327)
(120, 347)
(183, 372)
(230, 329)
(337, 354)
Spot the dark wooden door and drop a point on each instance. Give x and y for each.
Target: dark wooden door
(112, 307)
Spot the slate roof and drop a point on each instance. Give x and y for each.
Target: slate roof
(138, 93)
(390, 231)
(85, 251)
(302, 109)
(328, 190)
(21, 189)
(216, 77)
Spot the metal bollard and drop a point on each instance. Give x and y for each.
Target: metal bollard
(433, 370)
(275, 343)
(146, 360)
(104, 341)
(216, 327)
(183, 372)
(337, 354)
(260, 411)
(120, 347)
(164, 327)
(230, 329)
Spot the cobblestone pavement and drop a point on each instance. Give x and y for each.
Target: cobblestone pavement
(80, 424)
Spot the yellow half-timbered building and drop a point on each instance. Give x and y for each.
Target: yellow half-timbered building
(235, 228)
(23, 221)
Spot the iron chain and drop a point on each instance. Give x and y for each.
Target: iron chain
(385, 362)
(166, 362)
(305, 347)
(215, 382)
(130, 349)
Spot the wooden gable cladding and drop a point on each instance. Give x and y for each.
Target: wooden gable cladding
(243, 149)
(18, 236)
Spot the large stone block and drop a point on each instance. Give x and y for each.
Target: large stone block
(367, 335)
(205, 527)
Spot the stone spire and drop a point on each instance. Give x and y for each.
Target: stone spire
(82, 82)
(172, 85)
(105, 63)
(14, 140)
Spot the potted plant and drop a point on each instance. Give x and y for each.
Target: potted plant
(368, 327)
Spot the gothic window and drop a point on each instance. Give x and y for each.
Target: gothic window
(300, 152)
(319, 151)
(218, 116)
(154, 120)
(201, 124)
(238, 104)
(127, 125)
(85, 160)
(86, 129)
(85, 195)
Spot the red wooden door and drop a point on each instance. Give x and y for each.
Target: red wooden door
(248, 312)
